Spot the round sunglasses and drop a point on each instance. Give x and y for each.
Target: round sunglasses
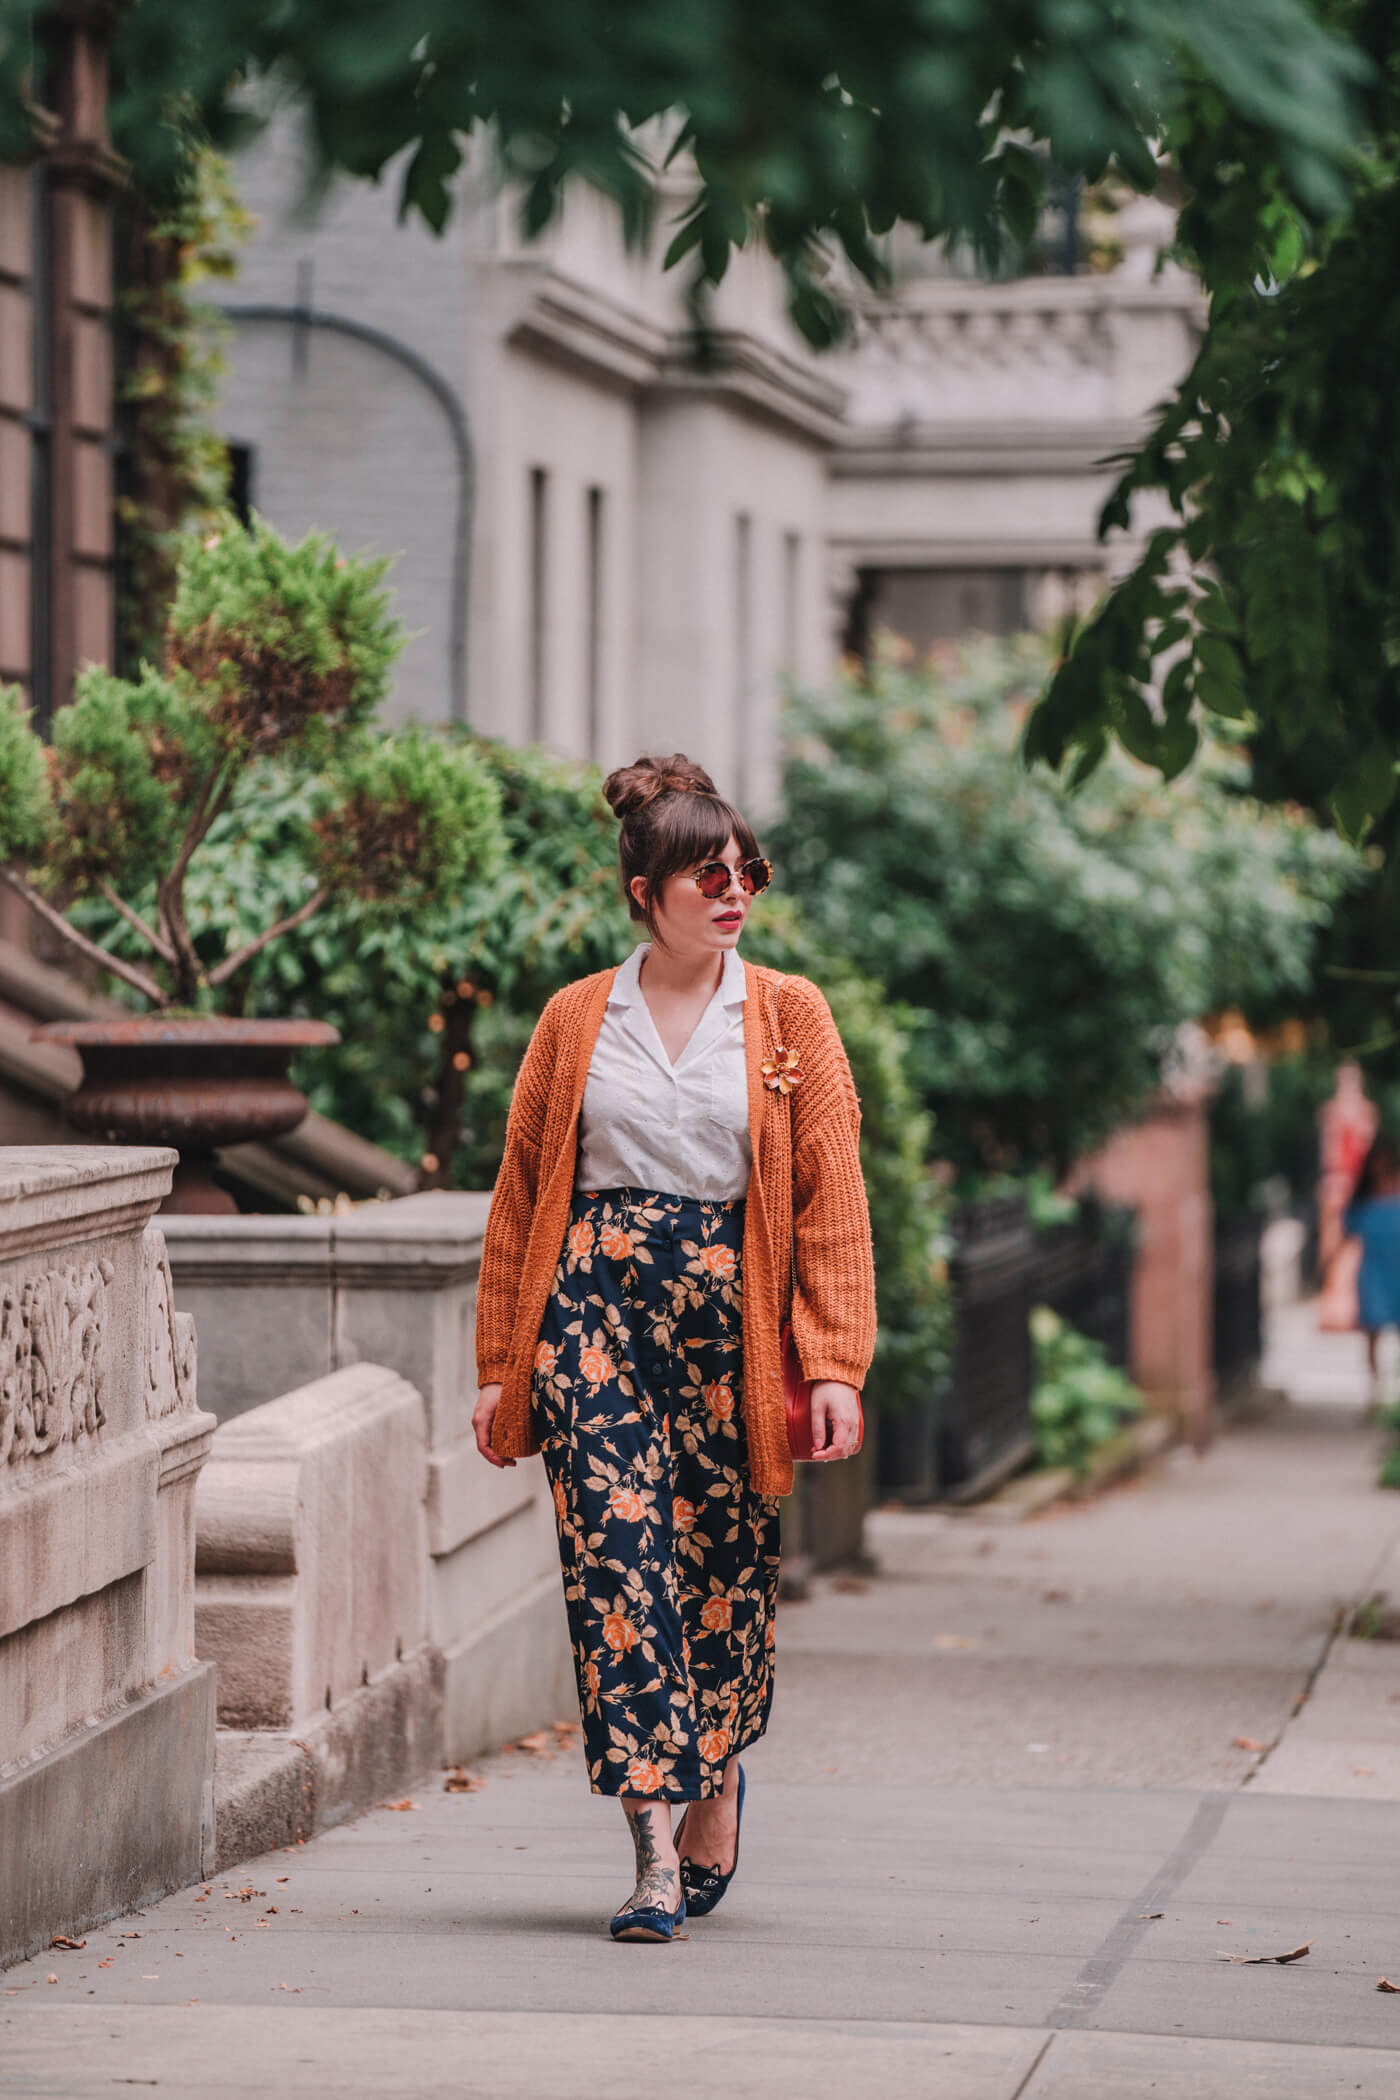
(712, 879)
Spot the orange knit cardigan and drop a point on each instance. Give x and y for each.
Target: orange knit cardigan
(806, 1250)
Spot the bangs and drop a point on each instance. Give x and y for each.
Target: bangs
(697, 828)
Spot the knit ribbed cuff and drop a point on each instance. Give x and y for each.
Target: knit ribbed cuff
(844, 1374)
(493, 1374)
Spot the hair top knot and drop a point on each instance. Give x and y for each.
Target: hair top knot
(632, 789)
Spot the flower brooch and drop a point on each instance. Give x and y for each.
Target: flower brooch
(782, 1071)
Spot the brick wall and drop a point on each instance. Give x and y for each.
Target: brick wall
(1161, 1166)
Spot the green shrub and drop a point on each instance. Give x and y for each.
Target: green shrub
(1078, 1399)
(26, 802)
(1047, 943)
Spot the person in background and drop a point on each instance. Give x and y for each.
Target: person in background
(1347, 1123)
(1373, 1218)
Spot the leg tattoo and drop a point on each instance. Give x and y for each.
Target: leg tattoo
(658, 1885)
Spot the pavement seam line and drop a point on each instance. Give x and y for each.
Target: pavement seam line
(1033, 2069)
(1104, 1965)
(1343, 1619)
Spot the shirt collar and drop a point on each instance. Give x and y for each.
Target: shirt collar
(627, 983)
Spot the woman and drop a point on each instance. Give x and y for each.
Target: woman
(681, 1174)
(1373, 1218)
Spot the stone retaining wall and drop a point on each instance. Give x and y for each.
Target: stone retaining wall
(106, 1716)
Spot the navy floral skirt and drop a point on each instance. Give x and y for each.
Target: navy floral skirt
(670, 1560)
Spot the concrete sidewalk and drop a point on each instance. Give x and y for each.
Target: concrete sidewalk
(1023, 1790)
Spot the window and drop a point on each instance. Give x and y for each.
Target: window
(41, 460)
(539, 601)
(593, 617)
(241, 484)
(792, 580)
(743, 645)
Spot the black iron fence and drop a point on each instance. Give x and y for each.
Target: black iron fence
(974, 1428)
(1083, 1270)
(1238, 1332)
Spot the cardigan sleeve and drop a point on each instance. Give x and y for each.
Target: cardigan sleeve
(833, 1295)
(513, 1202)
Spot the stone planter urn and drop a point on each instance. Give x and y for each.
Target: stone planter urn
(196, 1082)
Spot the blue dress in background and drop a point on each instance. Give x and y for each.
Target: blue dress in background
(1376, 1223)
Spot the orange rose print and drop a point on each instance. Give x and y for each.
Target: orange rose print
(619, 1633)
(716, 1612)
(669, 1559)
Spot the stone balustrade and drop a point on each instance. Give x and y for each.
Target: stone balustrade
(364, 1313)
(106, 1716)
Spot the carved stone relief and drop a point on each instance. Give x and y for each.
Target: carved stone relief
(170, 1337)
(52, 1373)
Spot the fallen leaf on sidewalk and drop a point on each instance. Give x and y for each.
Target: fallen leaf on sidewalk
(956, 1640)
(1255, 1961)
(1247, 1742)
(1363, 1771)
(460, 1781)
(565, 1730)
(1383, 1983)
(851, 1585)
(61, 1939)
(537, 1744)
(404, 1804)
(1151, 1913)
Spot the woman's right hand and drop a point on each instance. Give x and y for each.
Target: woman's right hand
(487, 1401)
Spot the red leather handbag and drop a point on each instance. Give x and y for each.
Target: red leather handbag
(797, 1396)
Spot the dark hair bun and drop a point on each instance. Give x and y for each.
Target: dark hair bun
(631, 788)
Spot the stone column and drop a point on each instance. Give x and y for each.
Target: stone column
(106, 1716)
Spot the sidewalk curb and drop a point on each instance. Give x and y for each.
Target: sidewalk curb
(1030, 1494)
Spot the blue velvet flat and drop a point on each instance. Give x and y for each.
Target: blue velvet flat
(703, 1887)
(648, 1924)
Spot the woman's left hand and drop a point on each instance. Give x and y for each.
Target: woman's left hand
(835, 1420)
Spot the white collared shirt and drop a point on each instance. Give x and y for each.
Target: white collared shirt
(678, 1130)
